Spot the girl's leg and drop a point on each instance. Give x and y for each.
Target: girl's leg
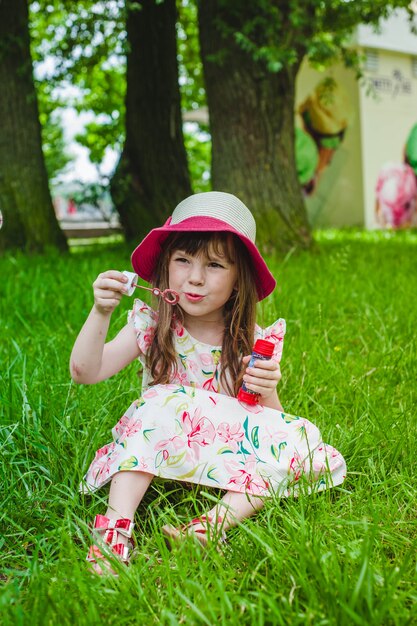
(126, 492)
(233, 508)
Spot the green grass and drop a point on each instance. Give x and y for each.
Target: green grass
(347, 556)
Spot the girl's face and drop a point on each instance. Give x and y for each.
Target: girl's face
(204, 281)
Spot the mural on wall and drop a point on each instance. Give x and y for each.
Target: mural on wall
(396, 189)
(324, 116)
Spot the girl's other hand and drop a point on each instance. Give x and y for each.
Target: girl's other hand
(109, 287)
(262, 378)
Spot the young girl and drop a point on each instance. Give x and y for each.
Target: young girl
(187, 424)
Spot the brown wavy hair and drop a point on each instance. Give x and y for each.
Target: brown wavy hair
(239, 311)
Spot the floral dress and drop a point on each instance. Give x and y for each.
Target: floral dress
(191, 430)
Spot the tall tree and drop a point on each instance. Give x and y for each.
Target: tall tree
(87, 41)
(152, 174)
(25, 201)
(251, 53)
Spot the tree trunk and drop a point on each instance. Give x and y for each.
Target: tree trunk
(152, 174)
(252, 128)
(29, 220)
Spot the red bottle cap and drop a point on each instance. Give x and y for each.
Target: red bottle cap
(249, 398)
(264, 347)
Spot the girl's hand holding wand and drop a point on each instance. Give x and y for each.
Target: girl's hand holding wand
(109, 287)
(263, 379)
(93, 360)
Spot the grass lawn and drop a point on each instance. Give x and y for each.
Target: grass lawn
(347, 556)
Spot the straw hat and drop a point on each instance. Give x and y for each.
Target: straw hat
(212, 211)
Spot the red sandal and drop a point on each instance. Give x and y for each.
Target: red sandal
(204, 536)
(107, 532)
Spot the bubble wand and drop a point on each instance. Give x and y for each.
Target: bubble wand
(168, 295)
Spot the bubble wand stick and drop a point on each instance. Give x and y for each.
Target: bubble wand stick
(168, 295)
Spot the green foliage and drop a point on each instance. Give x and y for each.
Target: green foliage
(191, 77)
(98, 136)
(79, 36)
(55, 152)
(198, 146)
(344, 557)
(86, 41)
(54, 147)
(281, 34)
(193, 94)
(95, 194)
(103, 95)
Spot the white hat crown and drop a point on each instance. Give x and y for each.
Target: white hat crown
(218, 205)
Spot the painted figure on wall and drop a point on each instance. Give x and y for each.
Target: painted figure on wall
(307, 160)
(396, 189)
(325, 115)
(410, 151)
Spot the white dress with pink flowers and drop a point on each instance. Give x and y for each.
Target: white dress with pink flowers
(191, 430)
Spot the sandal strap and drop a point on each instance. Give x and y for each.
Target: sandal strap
(120, 550)
(203, 531)
(204, 518)
(124, 526)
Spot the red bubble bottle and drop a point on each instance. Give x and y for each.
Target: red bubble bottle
(261, 351)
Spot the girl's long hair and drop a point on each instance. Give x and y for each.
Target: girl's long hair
(239, 311)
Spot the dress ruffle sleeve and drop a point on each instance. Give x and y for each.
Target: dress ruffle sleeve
(144, 320)
(274, 333)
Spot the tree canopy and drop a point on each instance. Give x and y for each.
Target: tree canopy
(87, 41)
(85, 45)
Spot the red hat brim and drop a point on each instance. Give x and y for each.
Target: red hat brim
(145, 256)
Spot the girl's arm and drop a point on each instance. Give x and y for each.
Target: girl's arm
(263, 379)
(92, 360)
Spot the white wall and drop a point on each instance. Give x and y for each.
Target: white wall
(387, 116)
(393, 34)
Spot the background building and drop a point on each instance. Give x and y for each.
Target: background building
(375, 116)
